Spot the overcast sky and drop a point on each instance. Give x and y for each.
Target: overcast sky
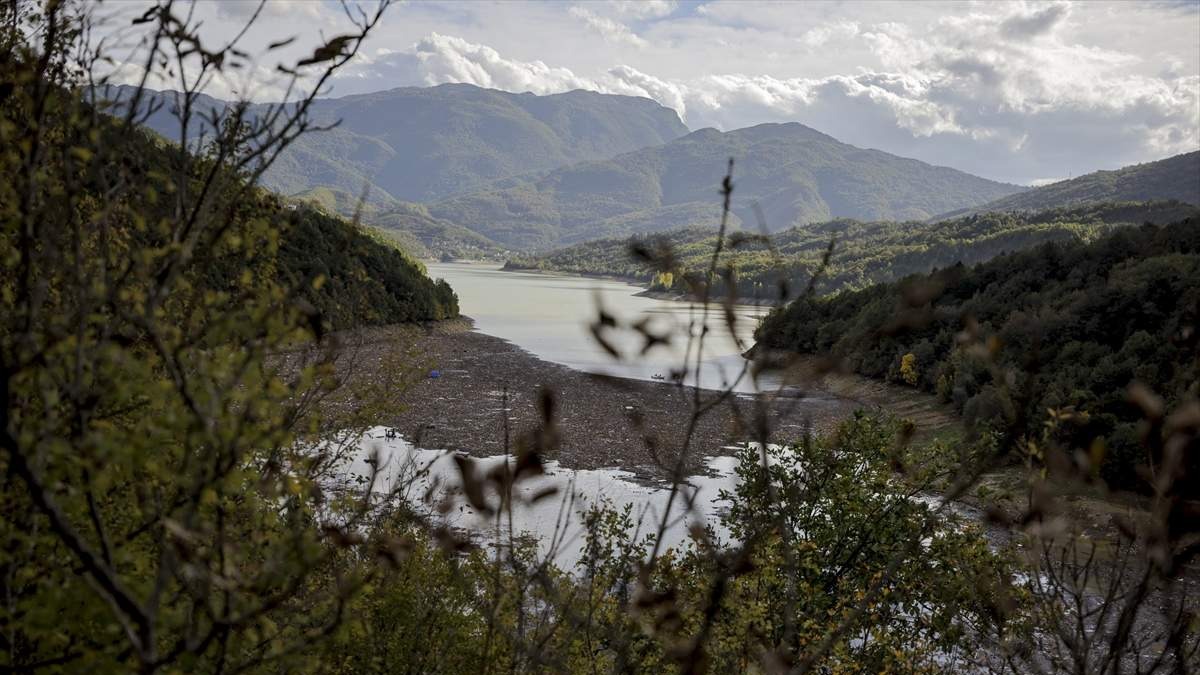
(1022, 92)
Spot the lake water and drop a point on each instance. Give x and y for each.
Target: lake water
(549, 316)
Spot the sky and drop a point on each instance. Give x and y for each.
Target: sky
(1023, 92)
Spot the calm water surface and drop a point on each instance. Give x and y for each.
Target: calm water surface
(549, 316)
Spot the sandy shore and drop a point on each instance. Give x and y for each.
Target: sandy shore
(463, 408)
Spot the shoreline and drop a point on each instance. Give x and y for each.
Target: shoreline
(463, 410)
(646, 291)
(597, 415)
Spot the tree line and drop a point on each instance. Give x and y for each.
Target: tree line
(762, 267)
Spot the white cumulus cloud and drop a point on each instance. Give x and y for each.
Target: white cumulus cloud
(445, 58)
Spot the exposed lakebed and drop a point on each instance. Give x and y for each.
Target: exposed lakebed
(529, 332)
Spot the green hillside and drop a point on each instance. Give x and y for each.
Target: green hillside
(424, 143)
(794, 174)
(439, 238)
(350, 277)
(864, 252)
(1074, 322)
(1176, 178)
(367, 280)
(407, 225)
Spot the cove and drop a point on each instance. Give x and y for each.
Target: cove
(548, 315)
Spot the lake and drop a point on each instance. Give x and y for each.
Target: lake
(549, 316)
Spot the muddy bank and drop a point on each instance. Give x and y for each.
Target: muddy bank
(463, 408)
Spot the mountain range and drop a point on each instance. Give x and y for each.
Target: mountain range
(459, 170)
(793, 174)
(424, 143)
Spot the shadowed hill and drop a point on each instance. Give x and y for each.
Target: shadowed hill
(408, 225)
(1175, 178)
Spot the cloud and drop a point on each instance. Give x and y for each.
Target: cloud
(610, 30)
(1029, 24)
(255, 83)
(644, 9)
(630, 81)
(1016, 91)
(444, 58)
(819, 36)
(241, 11)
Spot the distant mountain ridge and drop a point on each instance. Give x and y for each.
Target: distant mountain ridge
(1174, 178)
(795, 174)
(425, 143)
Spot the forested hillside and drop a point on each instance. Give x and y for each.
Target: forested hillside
(795, 174)
(1072, 324)
(424, 143)
(1175, 178)
(350, 277)
(863, 253)
(364, 280)
(408, 225)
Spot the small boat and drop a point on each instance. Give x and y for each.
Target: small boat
(657, 376)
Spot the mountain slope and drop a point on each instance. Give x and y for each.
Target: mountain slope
(1175, 178)
(406, 224)
(424, 143)
(863, 254)
(795, 174)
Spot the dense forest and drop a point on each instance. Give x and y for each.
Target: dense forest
(862, 254)
(1071, 325)
(366, 279)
